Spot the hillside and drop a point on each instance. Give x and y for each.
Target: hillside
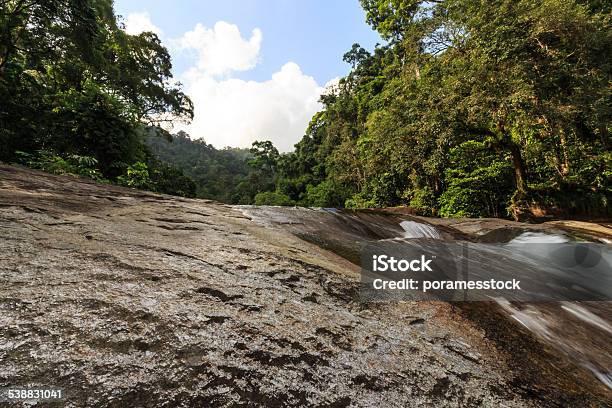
(221, 175)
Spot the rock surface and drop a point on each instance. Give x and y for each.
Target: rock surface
(127, 298)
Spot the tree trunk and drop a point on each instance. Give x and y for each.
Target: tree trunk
(519, 169)
(605, 137)
(565, 167)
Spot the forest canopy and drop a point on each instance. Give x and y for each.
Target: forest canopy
(470, 108)
(77, 93)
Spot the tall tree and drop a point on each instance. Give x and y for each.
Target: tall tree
(522, 87)
(73, 82)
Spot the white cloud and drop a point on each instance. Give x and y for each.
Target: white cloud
(137, 23)
(234, 112)
(331, 86)
(221, 49)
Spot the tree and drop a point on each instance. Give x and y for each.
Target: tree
(265, 157)
(520, 87)
(273, 198)
(73, 82)
(355, 56)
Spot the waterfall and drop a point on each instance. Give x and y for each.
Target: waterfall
(419, 230)
(539, 238)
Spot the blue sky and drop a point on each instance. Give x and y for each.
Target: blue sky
(313, 33)
(254, 68)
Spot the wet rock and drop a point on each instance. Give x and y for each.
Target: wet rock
(228, 313)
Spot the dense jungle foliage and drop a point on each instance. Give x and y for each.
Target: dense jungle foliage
(222, 175)
(472, 108)
(77, 94)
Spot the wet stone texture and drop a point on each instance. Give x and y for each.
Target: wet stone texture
(125, 298)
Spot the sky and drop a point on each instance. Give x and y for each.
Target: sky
(254, 69)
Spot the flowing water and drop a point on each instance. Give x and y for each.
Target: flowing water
(419, 230)
(580, 331)
(539, 238)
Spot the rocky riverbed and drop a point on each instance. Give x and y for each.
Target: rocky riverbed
(126, 298)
